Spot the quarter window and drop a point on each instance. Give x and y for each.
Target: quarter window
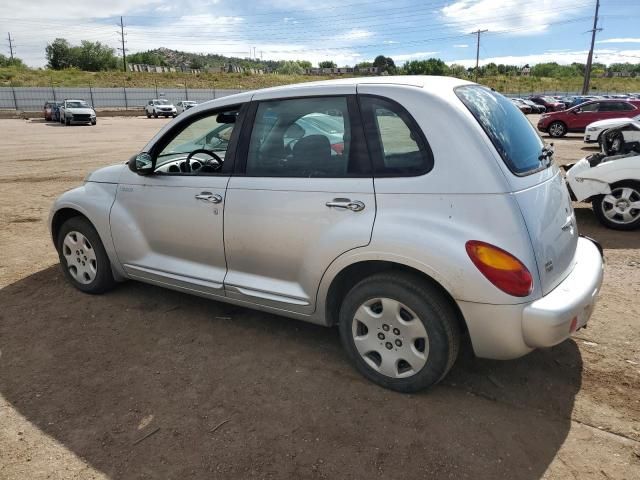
(304, 137)
(398, 144)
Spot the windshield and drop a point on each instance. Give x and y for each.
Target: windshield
(160, 102)
(77, 104)
(508, 129)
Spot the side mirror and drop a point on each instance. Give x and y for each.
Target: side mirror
(142, 163)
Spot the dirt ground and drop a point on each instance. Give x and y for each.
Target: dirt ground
(148, 383)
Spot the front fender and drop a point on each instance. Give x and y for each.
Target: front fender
(94, 201)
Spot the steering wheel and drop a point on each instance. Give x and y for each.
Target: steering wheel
(208, 163)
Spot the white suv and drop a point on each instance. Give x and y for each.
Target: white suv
(409, 211)
(160, 108)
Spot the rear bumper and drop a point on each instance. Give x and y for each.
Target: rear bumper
(504, 332)
(553, 318)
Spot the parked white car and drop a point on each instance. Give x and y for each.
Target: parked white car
(594, 130)
(77, 111)
(349, 203)
(160, 108)
(185, 105)
(611, 180)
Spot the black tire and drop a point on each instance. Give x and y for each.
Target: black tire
(155, 115)
(67, 121)
(432, 309)
(599, 208)
(148, 114)
(103, 280)
(557, 129)
(93, 122)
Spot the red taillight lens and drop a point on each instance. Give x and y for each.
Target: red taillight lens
(501, 268)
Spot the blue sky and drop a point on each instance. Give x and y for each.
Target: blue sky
(348, 31)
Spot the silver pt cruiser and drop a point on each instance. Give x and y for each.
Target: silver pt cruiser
(408, 211)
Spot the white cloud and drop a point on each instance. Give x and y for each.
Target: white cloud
(390, 42)
(355, 34)
(606, 56)
(500, 15)
(461, 45)
(619, 40)
(405, 57)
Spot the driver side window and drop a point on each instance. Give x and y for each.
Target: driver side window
(211, 134)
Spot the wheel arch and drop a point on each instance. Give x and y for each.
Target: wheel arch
(61, 216)
(351, 274)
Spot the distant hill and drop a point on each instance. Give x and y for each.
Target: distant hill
(175, 58)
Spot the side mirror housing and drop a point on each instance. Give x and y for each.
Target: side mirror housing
(141, 163)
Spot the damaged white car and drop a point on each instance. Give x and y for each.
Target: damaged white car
(610, 180)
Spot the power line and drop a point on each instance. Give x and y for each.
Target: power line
(587, 70)
(478, 33)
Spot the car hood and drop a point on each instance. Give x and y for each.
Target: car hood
(110, 174)
(169, 105)
(81, 111)
(610, 122)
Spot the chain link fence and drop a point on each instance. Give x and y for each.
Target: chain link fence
(33, 98)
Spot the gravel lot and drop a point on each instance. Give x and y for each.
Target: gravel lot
(225, 392)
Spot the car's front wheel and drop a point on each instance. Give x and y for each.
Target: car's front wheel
(83, 258)
(620, 209)
(399, 332)
(557, 129)
(155, 114)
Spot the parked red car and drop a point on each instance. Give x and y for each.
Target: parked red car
(576, 119)
(550, 103)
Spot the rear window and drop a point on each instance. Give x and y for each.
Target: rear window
(508, 129)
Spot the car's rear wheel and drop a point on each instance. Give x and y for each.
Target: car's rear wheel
(83, 258)
(557, 129)
(620, 209)
(399, 332)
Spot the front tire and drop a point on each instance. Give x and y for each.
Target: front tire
(399, 331)
(620, 209)
(155, 114)
(83, 259)
(557, 129)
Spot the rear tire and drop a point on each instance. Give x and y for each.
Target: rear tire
(399, 331)
(83, 259)
(557, 129)
(614, 210)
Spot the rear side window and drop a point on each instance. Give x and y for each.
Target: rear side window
(508, 129)
(304, 137)
(398, 145)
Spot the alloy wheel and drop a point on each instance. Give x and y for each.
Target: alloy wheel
(622, 205)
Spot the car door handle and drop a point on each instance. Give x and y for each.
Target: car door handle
(346, 204)
(209, 197)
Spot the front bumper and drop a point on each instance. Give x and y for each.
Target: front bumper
(504, 332)
(591, 137)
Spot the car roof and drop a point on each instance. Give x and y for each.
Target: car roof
(427, 82)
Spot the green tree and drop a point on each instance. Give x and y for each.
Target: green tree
(59, 54)
(327, 64)
(8, 62)
(432, 66)
(94, 57)
(364, 64)
(290, 68)
(385, 64)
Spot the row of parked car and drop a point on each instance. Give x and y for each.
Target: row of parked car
(161, 107)
(555, 103)
(69, 111)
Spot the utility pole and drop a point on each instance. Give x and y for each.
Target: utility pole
(587, 69)
(124, 51)
(478, 33)
(11, 40)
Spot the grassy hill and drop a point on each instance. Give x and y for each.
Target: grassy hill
(24, 77)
